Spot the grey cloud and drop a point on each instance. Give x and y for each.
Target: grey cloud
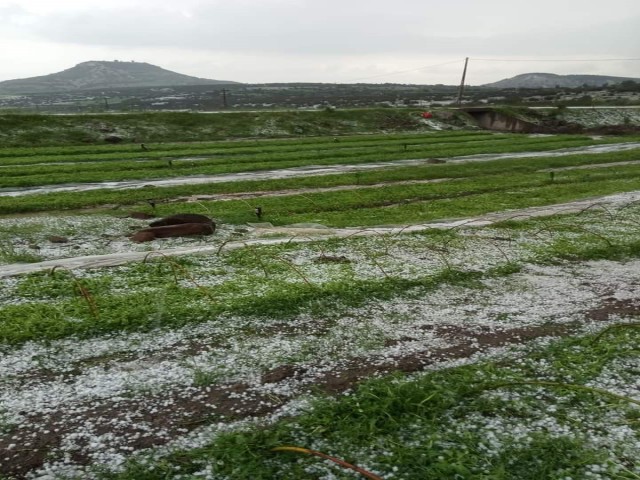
(8, 11)
(615, 38)
(13, 15)
(355, 27)
(257, 30)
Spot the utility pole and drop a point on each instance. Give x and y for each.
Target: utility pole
(224, 97)
(464, 74)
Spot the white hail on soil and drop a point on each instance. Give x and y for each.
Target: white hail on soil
(89, 235)
(538, 296)
(66, 379)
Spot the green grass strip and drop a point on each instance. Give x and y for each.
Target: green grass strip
(182, 306)
(38, 175)
(506, 167)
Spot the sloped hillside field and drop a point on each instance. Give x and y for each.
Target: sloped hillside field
(454, 304)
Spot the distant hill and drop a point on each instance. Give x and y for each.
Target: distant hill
(99, 74)
(551, 80)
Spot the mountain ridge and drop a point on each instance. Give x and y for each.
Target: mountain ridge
(97, 74)
(552, 80)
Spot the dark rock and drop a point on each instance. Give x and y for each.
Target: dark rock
(435, 160)
(179, 230)
(184, 229)
(181, 218)
(58, 239)
(143, 236)
(113, 139)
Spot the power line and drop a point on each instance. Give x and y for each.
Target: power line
(405, 71)
(557, 60)
(498, 60)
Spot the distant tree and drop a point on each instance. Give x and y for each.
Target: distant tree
(628, 86)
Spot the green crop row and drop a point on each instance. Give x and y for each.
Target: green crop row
(497, 168)
(108, 152)
(83, 173)
(390, 144)
(401, 204)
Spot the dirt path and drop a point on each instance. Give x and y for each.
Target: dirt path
(307, 233)
(312, 170)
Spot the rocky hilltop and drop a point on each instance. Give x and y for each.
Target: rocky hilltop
(551, 80)
(103, 75)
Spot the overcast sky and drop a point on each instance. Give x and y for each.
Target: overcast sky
(342, 41)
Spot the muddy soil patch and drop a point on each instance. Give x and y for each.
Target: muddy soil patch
(139, 423)
(612, 307)
(471, 342)
(154, 420)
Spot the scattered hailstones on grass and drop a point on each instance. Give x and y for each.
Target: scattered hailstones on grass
(200, 438)
(369, 324)
(377, 321)
(8, 291)
(606, 431)
(96, 235)
(537, 295)
(621, 377)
